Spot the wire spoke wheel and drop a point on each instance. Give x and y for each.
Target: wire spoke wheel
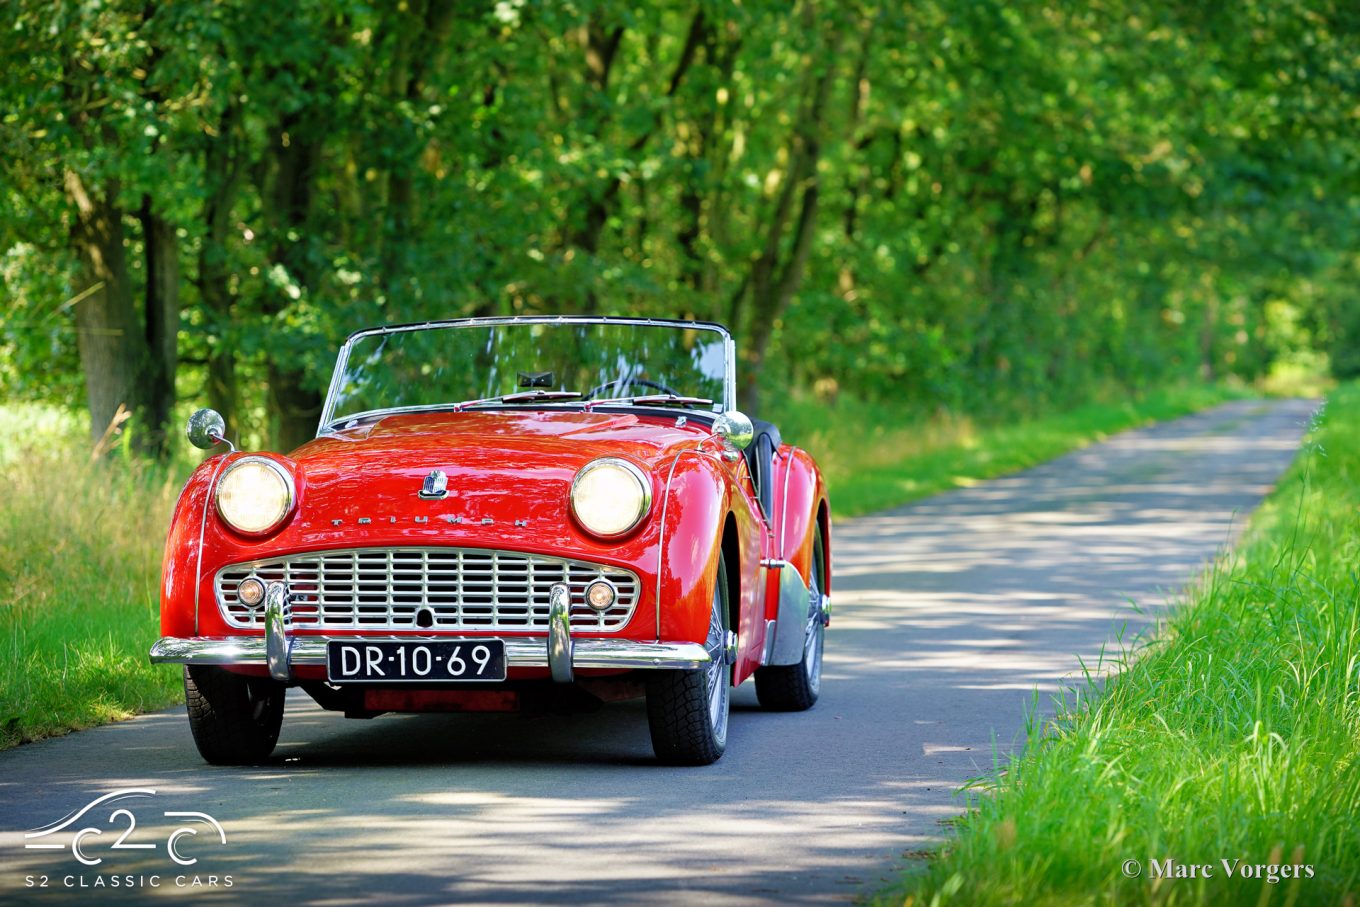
(719, 690)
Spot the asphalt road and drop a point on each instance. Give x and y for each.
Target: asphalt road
(950, 615)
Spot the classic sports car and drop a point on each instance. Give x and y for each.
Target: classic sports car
(501, 513)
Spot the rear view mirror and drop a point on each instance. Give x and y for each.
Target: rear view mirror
(735, 428)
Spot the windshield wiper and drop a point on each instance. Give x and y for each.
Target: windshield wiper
(652, 400)
(523, 397)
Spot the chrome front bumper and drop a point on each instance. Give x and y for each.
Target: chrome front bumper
(618, 654)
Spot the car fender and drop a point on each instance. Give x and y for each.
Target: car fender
(181, 563)
(801, 504)
(699, 501)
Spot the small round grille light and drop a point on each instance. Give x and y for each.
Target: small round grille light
(600, 595)
(251, 592)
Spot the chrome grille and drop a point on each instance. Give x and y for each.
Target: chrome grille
(459, 588)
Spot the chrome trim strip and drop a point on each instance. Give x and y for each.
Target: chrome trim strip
(209, 502)
(275, 639)
(784, 504)
(342, 359)
(559, 633)
(520, 652)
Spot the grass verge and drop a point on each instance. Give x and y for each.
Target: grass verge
(874, 459)
(80, 551)
(1233, 736)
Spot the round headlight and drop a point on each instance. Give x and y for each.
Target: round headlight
(255, 495)
(610, 497)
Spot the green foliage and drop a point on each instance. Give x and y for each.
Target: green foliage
(1232, 735)
(988, 207)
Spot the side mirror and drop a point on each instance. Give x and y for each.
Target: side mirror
(735, 429)
(206, 429)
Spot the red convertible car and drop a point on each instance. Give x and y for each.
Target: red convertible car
(498, 514)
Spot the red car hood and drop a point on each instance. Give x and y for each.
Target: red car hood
(500, 465)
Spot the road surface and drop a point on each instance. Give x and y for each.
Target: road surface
(949, 615)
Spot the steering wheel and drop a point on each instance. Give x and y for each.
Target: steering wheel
(619, 384)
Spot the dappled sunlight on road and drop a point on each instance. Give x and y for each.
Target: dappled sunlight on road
(1028, 581)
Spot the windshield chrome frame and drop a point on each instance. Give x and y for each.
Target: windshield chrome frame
(342, 360)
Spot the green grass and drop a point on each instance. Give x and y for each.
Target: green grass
(1234, 734)
(80, 551)
(873, 458)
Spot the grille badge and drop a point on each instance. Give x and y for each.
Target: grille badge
(436, 486)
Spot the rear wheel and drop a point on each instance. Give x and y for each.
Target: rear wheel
(794, 688)
(687, 710)
(235, 719)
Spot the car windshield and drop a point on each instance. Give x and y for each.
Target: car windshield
(528, 362)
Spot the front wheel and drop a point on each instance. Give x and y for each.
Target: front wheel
(687, 710)
(795, 688)
(235, 719)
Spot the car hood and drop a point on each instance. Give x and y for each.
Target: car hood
(499, 464)
(495, 438)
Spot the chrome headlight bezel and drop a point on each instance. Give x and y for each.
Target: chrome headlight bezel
(286, 503)
(644, 503)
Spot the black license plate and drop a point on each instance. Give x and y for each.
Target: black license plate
(415, 662)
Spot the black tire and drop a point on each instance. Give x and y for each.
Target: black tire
(235, 719)
(687, 711)
(795, 688)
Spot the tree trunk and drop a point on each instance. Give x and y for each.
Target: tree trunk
(776, 274)
(421, 40)
(769, 302)
(224, 163)
(217, 304)
(161, 247)
(112, 355)
(294, 408)
(601, 49)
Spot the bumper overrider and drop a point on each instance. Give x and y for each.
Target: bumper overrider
(281, 651)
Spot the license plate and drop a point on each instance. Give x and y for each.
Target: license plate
(408, 662)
